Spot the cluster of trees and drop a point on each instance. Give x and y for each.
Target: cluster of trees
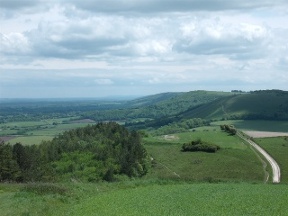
(229, 129)
(199, 145)
(104, 151)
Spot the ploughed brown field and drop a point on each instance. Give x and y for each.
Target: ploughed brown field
(6, 138)
(263, 134)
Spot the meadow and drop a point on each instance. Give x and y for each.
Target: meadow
(144, 198)
(235, 161)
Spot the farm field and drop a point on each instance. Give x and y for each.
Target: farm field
(235, 161)
(33, 132)
(256, 125)
(145, 198)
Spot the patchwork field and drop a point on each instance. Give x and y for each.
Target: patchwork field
(33, 132)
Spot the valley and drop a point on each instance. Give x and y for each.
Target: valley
(84, 155)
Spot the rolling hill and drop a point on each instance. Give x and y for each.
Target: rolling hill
(265, 105)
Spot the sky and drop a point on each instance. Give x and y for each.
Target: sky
(97, 48)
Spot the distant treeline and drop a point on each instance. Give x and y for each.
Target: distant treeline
(105, 151)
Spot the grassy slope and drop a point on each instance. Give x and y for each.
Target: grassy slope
(234, 161)
(266, 103)
(277, 147)
(148, 198)
(152, 99)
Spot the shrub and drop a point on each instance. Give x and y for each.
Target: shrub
(199, 145)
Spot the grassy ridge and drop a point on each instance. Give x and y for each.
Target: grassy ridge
(147, 198)
(255, 105)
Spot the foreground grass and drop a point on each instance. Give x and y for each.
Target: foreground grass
(277, 147)
(148, 198)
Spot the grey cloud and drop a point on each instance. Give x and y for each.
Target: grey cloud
(235, 48)
(151, 6)
(20, 4)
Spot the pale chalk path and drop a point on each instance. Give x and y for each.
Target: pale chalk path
(273, 163)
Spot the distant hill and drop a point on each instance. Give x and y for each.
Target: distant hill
(152, 99)
(161, 109)
(266, 104)
(174, 103)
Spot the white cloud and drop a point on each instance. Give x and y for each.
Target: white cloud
(14, 43)
(147, 43)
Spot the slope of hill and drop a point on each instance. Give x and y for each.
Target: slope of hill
(158, 106)
(269, 105)
(152, 99)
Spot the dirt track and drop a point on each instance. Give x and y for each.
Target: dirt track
(273, 163)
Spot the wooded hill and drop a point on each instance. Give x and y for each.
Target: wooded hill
(105, 151)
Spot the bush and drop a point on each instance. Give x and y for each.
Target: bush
(199, 145)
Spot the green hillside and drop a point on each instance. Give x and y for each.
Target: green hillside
(157, 106)
(152, 99)
(268, 105)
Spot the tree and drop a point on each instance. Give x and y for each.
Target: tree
(9, 170)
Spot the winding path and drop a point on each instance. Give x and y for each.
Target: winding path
(273, 163)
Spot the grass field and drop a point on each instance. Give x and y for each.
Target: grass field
(146, 198)
(277, 147)
(33, 132)
(235, 161)
(30, 140)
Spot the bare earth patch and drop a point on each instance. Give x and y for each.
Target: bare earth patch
(170, 137)
(263, 134)
(6, 138)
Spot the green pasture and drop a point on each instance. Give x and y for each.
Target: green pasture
(33, 132)
(144, 198)
(277, 147)
(30, 140)
(235, 161)
(57, 129)
(257, 125)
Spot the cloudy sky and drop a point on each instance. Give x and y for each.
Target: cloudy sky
(94, 48)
